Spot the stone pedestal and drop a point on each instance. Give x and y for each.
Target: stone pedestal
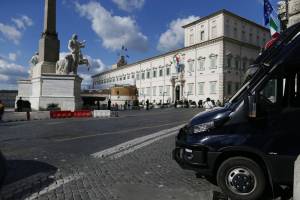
(46, 89)
(43, 68)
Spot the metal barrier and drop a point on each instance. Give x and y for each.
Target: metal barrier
(61, 114)
(102, 113)
(82, 113)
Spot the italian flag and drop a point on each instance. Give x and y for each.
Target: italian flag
(274, 26)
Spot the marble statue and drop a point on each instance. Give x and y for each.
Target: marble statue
(33, 61)
(69, 64)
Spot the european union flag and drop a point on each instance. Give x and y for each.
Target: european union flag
(268, 9)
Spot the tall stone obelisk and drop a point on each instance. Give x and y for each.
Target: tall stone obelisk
(49, 43)
(45, 87)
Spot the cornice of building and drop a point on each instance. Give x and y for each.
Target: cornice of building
(224, 11)
(205, 43)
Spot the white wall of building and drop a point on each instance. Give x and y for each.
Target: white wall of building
(217, 51)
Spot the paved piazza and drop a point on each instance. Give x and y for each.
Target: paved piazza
(57, 159)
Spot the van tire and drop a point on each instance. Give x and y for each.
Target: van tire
(241, 179)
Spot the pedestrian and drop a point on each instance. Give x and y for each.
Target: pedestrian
(1, 110)
(98, 105)
(218, 103)
(200, 104)
(213, 102)
(208, 105)
(175, 104)
(125, 106)
(147, 104)
(20, 105)
(109, 104)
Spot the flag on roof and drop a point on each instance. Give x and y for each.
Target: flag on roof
(271, 18)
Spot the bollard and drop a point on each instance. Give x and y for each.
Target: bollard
(297, 179)
(28, 115)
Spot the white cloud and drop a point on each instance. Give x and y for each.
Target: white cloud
(9, 74)
(11, 33)
(129, 5)
(23, 22)
(173, 38)
(12, 56)
(14, 32)
(114, 31)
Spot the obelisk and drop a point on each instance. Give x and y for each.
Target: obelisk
(45, 87)
(49, 43)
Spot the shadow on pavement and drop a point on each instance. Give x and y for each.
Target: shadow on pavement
(25, 177)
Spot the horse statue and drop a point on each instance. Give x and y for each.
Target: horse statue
(69, 64)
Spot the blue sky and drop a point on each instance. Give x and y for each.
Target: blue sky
(145, 27)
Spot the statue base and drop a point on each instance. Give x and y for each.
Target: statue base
(63, 90)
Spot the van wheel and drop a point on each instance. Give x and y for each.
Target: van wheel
(241, 179)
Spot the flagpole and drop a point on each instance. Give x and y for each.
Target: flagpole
(287, 10)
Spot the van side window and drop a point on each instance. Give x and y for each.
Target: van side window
(269, 92)
(283, 91)
(291, 96)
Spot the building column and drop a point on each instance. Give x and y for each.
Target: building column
(173, 90)
(181, 90)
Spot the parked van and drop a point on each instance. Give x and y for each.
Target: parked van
(252, 142)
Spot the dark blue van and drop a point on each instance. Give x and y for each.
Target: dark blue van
(252, 142)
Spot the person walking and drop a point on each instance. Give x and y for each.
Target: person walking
(218, 103)
(1, 110)
(109, 104)
(208, 105)
(147, 104)
(200, 104)
(20, 105)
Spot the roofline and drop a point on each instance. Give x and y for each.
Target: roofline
(224, 11)
(224, 38)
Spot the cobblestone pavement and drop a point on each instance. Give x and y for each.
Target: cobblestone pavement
(148, 173)
(54, 161)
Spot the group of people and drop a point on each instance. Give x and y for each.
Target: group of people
(208, 104)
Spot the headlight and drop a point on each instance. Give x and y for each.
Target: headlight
(199, 128)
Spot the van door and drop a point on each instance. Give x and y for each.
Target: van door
(279, 104)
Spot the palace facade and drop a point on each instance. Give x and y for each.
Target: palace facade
(217, 51)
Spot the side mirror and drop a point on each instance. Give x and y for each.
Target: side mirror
(252, 106)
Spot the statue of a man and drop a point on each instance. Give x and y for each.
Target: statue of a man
(69, 64)
(75, 46)
(33, 61)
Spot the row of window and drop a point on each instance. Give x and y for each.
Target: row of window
(232, 87)
(148, 91)
(165, 91)
(160, 73)
(138, 76)
(201, 88)
(243, 36)
(201, 63)
(202, 33)
(237, 63)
